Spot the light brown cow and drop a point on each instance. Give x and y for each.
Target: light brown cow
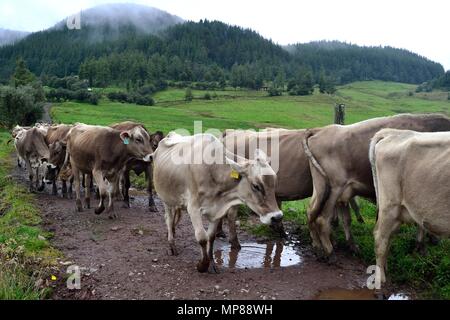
(138, 166)
(411, 173)
(104, 152)
(293, 174)
(56, 140)
(31, 147)
(341, 169)
(199, 174)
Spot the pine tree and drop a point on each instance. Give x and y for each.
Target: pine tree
(22, 75)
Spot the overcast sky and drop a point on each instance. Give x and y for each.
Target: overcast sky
(419, 26)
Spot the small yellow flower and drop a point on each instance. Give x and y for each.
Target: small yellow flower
(53, 278)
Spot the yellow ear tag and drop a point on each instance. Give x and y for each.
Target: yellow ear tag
(234, 174)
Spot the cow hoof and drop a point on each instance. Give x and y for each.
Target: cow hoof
(126, 205)
(331, 259)
(172, 251)
(41, 188)
(213, 269)
(202, 266)
(221, 234)
(354, 248)
(113, 216)
(153, 209)
(421, 249)
(99, 210)
(77, 209)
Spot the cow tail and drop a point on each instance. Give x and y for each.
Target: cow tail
(315, 163)
(372, 157)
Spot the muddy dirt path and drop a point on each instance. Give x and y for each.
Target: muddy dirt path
(127, 259)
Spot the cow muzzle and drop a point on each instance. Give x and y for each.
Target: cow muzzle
(272, 217)
(148, 157)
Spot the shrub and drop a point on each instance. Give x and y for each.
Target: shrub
(188, 96)
(274, 92)
(207, 96)
(19, 106)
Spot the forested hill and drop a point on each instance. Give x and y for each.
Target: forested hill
(350, 62)
(154, 45)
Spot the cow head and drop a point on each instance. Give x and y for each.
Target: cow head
(256, 188)
(137, 142)
(155, 138)
(57, 151)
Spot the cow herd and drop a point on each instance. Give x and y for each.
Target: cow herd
(400, 162)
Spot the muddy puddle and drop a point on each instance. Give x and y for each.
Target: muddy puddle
(257, 255)
(356, 294)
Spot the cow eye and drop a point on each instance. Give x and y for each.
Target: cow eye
(256, 188)
(139, 140)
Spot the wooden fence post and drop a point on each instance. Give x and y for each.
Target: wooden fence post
(339, 113)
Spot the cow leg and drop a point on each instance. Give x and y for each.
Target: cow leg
(126, 188)
(201, 236)
(323, 225)
(420, 240)
(386, 225)
(170, 217)
(354, 205)
(148, 175)
(212, 229)
(64, 188)
(76, 175)
(54, 188)
(346, 218)
(87, 192)
(220, 233)
(30, 175)
(111, 192)
(98, 177)
(42, 186)
(312, 224)
(71, 187)
(233, 238)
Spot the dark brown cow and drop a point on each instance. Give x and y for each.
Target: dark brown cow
(340, 166)
(138, 166)
(104, 151)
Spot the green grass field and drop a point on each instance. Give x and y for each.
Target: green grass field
(429, 274)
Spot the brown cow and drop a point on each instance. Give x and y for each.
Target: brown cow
(411, 173)
(104, 151)
(56, 140)
(293, 174)
(341, 169)
(138, 166)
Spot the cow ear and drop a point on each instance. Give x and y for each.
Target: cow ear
(241, 169)
(125, 136)
(261, 156)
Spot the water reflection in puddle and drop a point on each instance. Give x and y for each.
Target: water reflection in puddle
(256, 255)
